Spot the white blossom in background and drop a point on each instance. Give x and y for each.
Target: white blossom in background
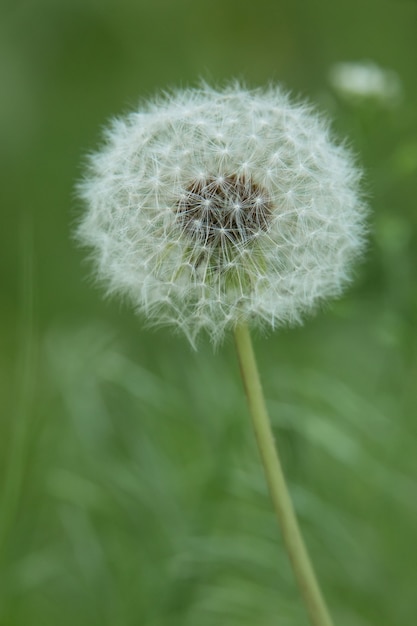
(210, 207)
(366, 80)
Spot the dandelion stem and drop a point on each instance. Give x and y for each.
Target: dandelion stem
(303, 570)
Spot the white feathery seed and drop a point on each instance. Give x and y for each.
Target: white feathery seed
(212, 207)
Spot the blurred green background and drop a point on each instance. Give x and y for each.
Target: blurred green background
(131, 491)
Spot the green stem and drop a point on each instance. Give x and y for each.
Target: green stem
(303, 570)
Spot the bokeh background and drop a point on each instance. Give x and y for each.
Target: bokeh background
(131, 490)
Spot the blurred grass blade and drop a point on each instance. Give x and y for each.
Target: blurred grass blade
(25, 385)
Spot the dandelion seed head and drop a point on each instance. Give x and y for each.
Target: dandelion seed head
(366, 81)
(212, 207)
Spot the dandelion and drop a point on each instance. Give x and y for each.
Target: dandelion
(366, 81)
(212, 210)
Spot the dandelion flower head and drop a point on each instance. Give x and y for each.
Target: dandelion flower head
(211, 207)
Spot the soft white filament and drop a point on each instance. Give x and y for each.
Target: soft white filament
(168, 198)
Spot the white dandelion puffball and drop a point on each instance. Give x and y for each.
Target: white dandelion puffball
(209, 208)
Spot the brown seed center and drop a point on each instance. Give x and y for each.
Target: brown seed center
(224, 210)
